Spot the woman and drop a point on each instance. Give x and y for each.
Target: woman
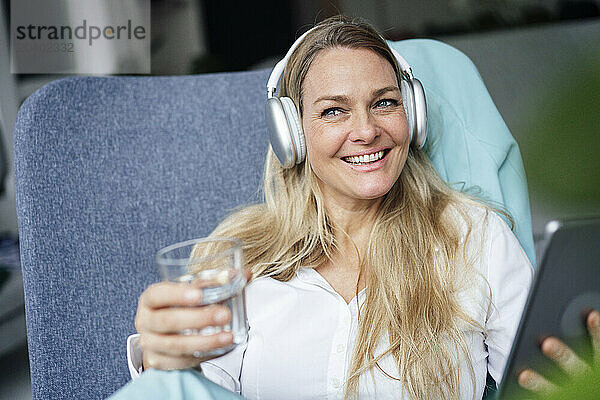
(370, 275)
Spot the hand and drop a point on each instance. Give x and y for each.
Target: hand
(165, 310)
(566, 359)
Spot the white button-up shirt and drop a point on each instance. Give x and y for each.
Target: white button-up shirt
(302, 332)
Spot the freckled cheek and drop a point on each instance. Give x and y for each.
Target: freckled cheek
(399, 128)
(322, 143)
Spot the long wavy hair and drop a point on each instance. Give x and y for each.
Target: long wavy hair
(415, 263)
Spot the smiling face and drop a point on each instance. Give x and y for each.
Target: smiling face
(354, 123)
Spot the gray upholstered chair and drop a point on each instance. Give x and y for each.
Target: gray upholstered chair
(108, 170)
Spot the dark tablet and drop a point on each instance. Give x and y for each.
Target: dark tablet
(565, 288)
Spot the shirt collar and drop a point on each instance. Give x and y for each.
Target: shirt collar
(311, 277)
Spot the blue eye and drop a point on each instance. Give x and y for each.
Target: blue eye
(331, 112)
(386, 103)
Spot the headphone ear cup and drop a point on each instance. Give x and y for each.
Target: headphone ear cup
(295, 128)
(420, 113)
(413, 98)
(408, 101)
(280, 135)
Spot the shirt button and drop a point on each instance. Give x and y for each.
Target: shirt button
(340, 348)
(336, 383)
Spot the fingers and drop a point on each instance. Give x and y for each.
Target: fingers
(531, 380)
(562, 354)
(593, 323)
(173, 320)
(165, 308)
(183, 346)
(168, 294)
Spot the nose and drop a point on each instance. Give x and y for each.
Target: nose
(364, 128)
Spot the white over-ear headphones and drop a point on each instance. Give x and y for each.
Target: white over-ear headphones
(285, 128)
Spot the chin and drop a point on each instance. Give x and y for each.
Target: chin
(367, 193)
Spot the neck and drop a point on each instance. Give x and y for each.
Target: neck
(352, 222)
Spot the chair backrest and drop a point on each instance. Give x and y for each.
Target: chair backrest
(3, 165)
(109, 170)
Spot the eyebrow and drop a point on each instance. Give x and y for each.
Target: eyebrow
(345, 99)
(338, 98)
(381, 91)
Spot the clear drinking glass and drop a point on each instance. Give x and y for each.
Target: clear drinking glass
(215, 265)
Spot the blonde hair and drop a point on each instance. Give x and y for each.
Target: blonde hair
(415, 263)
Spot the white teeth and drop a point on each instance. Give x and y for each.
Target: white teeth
(365, 158)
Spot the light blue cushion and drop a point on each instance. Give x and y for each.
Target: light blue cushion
(467, 139)
(173, 385)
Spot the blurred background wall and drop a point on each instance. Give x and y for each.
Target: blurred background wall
(540, 60)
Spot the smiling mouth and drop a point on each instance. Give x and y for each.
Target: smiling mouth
(367, 158)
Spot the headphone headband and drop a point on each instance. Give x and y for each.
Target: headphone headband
(280, 66)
